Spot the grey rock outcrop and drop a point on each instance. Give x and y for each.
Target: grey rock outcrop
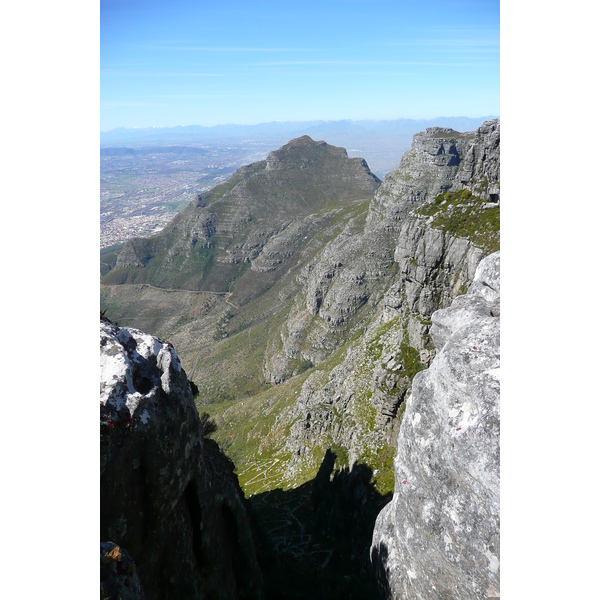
(426, 170)
(434, 267)
(128, 257)
(169, 498)
(480, 170)
(353, 267)
(398, 271)
(439, 537)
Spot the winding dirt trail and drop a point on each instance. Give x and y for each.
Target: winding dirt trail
(160, 289)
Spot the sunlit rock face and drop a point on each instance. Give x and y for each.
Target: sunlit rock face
(172, 512)
(396, 270)
(439, 537)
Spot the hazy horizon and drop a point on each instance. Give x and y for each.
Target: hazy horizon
(299, 121)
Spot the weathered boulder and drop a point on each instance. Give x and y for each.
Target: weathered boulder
(168, 498)
(439, 537)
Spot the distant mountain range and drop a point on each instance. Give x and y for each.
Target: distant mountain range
(380, 143)
(277, 129)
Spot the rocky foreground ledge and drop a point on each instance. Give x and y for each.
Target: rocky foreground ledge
(173, 520)
(439, 537)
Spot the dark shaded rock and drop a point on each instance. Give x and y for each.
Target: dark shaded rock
(168, 497)
(118, 574)
(317, 535)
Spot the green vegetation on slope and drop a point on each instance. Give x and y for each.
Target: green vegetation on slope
(108, 258)
(463, 215)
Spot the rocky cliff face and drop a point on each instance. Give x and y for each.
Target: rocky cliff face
(355, 268)
(409, 261)
(480, 170)
(439, 536)
(173, 519)
(426, 170)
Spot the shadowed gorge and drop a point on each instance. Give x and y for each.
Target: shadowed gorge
(316, 536)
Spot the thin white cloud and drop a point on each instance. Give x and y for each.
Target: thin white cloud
(443, 43)
(340, 63)
(117, 73)
(226, 49)
(217, 96)
(379, 73)
(129, 103)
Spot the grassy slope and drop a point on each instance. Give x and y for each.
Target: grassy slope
(108, 258)
(253, 431)
(231, 367)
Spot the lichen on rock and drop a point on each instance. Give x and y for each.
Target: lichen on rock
(439, 537)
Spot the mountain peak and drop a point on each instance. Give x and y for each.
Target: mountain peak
(245, 221)
(303, 139)
(303, 152)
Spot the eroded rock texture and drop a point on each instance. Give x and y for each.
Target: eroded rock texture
(389, 276)
(169, 499)
(480, 170)
(439, 537)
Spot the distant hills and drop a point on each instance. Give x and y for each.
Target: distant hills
(277, 129)
(149, 151)
(380, 143)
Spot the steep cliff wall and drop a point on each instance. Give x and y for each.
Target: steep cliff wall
(419, 250)
(480, 170)
(344, 283)
(426, 170)
(439, 536)
(172, 514)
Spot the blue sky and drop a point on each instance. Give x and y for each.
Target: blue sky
(206, 63)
